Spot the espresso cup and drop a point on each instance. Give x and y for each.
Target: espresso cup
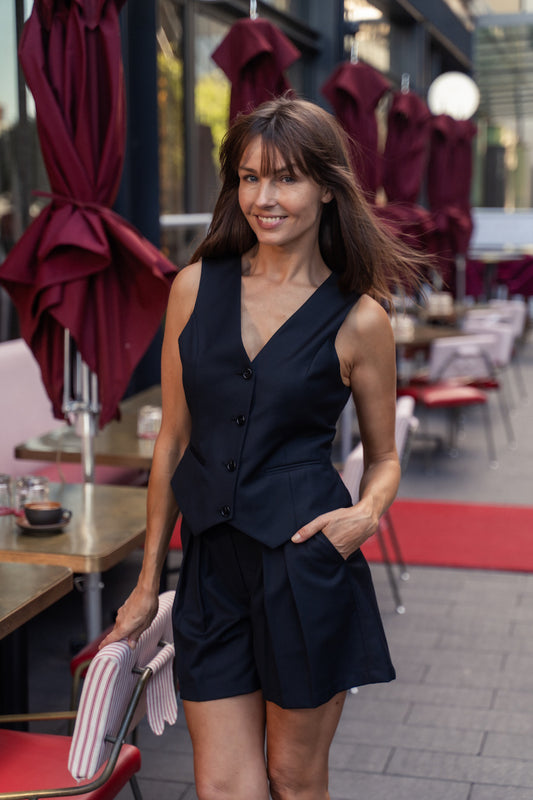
(46, 512)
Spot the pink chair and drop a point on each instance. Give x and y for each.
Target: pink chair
(406, 424)
(25, 411)
(121, 686)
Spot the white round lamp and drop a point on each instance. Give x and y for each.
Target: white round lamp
(455, 94)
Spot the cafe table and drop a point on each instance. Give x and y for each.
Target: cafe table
(25, 591)
(108, 522)
(117, 445)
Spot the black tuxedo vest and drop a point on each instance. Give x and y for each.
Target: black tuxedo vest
(259, 455)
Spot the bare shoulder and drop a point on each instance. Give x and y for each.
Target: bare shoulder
(367, 318)
(365, 335)
(183, 294)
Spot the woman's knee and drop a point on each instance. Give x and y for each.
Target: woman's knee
(289, 781)
(232, 789)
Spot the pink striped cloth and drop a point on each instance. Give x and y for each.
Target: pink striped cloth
(108, 687)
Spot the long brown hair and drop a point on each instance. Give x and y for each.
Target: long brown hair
(353, 243)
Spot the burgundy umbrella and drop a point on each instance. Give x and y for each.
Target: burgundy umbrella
(449, 176)
(354, 90)
(254, 56)
(79, 266)
(406, 147)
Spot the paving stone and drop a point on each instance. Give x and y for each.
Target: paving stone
(470, 719)
(358, 756)
(389, 734)
(450, 658)
(495, 793)
(508, 745)
(513, 700)
(358, 786)
(471, 769)
(439, 695)
(482, 643)
(366, 707)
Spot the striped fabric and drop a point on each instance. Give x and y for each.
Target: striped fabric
(109, 685)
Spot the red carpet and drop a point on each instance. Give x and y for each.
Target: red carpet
(462, 535)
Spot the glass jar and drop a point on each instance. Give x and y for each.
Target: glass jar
(5, 494)
(148, 422)
(30, 489)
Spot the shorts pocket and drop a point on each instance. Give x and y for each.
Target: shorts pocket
(329, 548)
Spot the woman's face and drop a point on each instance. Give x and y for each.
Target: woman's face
(283, 209)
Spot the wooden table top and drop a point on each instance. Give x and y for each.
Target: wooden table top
(423, 334)
(27, 589)
(108, 522)
(116, 445)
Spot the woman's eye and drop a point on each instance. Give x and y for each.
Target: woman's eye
(287, 179)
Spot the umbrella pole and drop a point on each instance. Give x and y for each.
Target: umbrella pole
(80, 399)
(460, 277)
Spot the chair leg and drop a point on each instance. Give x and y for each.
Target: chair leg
(520, 382)
(400, 608)
(404, 572)
(135, 788)
(506, 415)
(493, 460)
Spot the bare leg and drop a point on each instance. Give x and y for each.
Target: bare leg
(298, 742)
(228, 738)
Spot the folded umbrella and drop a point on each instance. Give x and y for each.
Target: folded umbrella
(254, 56)
(354, 90)
(79, 266)
(406, 147)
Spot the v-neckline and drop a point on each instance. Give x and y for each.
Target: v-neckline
(283, 325)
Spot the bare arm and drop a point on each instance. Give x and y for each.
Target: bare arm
(366, 349)
(141, 606)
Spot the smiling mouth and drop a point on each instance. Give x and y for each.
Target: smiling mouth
(269, 220)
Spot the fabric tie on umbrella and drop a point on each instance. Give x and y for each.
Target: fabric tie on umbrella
(406, 147)
(354, 90)
(79, 265)
(254, 56)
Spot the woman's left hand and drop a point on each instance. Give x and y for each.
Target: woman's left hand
(346, 528)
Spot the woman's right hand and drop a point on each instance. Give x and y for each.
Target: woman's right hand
(134, 617)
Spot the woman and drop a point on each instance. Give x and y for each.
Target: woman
(279, 317)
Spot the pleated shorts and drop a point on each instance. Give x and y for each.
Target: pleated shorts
(297, 622)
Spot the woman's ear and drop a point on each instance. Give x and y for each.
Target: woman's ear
(327, 196)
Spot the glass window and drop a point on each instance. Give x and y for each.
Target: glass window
(373, 34)
(170, 108)
(212, 92)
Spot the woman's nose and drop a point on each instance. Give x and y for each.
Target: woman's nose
(266, 195)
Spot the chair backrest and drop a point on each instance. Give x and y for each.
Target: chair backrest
(466, 356)
(113, 698)
(503, 333)
(406, 423)
(25, 409)
(513, 311)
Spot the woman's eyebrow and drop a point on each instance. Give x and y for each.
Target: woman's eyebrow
(284, 168)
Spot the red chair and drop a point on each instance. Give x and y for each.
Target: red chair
(79, 664)
(449, 385)
(95, 760)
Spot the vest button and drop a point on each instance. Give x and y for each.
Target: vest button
(240, 420)
(225, 511)
(231, 465)
(247, 373)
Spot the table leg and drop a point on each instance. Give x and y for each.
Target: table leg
(14, 674)
(92, 602)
